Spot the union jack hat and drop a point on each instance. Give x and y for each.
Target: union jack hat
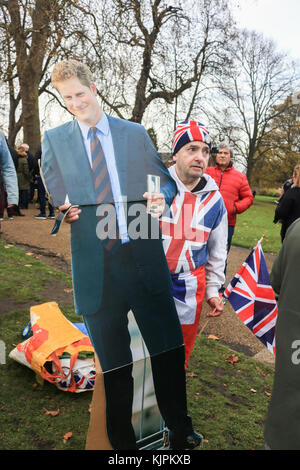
(188, 131)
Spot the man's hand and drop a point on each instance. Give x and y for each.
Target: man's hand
(155, 204)
(216, 305)
(72, 215)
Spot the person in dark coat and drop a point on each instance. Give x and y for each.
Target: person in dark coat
(42, 197)
(282, 428)
(288, 208)
(23, 178)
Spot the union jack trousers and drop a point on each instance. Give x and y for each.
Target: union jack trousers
(185, 230)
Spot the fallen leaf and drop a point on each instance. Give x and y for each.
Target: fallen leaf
(8, 246)
(232, 359)
(67, 436)
(52, 413)
(213, 337)
(260, 371)
(28, 253)
(268, 394)
(68, 290)
(253, 390)
(191, 374)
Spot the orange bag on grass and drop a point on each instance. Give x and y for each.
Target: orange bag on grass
(57, 351)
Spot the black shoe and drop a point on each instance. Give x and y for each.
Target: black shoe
(17, 211)
(189, 442)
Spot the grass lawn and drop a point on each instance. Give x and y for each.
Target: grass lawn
(256, 222)
(228, 393)
(23, 277)
(228, 400)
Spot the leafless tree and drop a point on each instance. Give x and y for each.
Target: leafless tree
(156, 52)
(259, 79)
(144, 53)
(33, 34)
(280, 149)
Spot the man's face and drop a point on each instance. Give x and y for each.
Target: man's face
(223, 157)
(80, 100)
(191, 161)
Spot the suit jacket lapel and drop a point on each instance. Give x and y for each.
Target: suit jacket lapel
(77, 148)
(73, 149)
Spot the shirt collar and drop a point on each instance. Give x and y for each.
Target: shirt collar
(102, 126)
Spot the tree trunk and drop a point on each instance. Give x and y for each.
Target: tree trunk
(29, 62)
(30, 113)
(140, 97)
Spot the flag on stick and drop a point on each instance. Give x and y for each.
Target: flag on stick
(253, 298)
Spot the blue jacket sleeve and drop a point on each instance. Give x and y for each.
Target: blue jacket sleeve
(8, 172)
(52, 174)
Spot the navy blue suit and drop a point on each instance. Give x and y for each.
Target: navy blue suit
(135, 277)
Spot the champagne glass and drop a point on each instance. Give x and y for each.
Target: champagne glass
(153, 189)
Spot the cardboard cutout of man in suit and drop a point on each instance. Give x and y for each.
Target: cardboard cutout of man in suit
(134, 274)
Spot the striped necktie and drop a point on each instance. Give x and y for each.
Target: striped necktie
(100, 173)
(102, 184)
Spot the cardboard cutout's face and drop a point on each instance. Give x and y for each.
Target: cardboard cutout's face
(80, 100)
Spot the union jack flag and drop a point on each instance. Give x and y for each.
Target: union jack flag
(195, 131)
(186, 228)
(253, 299)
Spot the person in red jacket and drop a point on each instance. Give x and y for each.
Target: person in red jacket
(234, 188)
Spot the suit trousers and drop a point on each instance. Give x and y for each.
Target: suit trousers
(156, 316)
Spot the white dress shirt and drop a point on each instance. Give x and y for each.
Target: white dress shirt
(104, 135)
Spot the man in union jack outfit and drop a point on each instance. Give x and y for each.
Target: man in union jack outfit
(194, 231)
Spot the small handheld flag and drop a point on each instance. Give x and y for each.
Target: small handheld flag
(253, 298)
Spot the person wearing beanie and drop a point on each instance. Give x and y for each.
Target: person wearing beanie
(194, 231)
(234, 188)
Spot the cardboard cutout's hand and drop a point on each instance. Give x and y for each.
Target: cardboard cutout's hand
(72, 215)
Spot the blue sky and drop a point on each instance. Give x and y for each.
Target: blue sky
(278, 20)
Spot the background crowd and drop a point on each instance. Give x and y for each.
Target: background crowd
(30, 185)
